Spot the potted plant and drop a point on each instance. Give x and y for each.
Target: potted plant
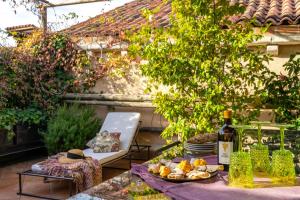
(8, 119)
(26, 128)
(19, 126)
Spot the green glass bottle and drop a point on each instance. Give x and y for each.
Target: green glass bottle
(226, 141)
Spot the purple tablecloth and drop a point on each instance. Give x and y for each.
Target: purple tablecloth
(215, 188)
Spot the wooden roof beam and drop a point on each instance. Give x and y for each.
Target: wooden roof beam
(46, 2)
(72, 2)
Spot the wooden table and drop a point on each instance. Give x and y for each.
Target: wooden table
(121, 187)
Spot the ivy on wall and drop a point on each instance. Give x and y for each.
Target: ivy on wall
(39, 72)
(43, 68)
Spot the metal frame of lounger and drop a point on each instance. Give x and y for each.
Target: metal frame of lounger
(165, 148)
(130, 152)
(46, 177)
(70, 179)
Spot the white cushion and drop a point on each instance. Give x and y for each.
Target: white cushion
(124, 122)
(103, 157)
(37, 168)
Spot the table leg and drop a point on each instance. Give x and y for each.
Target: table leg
(20, 183)
(71, 188)
(130, 161)
(148, 153)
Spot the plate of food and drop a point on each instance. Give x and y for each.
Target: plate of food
(201, 143)
(185, 171)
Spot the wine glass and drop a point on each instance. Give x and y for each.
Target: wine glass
(260, 153)
(240, 168)
(283, 168)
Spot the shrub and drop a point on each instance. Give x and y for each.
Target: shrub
(70, 128)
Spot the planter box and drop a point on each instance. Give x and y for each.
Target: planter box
(26, 134)
(26, 139)
(4, 140)
(14, 153)
(3, 137)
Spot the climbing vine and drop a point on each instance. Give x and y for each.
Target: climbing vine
(35, 76)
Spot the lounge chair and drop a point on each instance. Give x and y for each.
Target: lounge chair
(125, 122)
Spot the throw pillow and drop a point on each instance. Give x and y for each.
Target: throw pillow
(92, 142)
(105, 142)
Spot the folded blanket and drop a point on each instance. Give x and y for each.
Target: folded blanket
(86, 172)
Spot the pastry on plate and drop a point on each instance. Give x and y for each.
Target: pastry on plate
(213, 168)
(198, 175)
(192, 173)
(185, 166)
(171, 165)
(154, 168)
(175, 176)
(164, 171)
(199, 162)
(202, 168)
(178, 171)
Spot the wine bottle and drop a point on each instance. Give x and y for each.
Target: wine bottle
(226, 139)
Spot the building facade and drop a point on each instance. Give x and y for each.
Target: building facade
(280, 41)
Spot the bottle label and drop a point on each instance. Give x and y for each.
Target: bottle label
(225, 149)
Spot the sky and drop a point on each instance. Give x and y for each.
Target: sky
(8, 16)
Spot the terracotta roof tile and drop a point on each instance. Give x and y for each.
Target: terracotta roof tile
(122, 18)
(26, 26)
(275, 12)
(128, 16)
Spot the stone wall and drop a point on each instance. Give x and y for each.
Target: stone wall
(285, 51)
(134, 83)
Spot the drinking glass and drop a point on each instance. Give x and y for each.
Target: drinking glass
(260, 153)
(283, 168)
(240, 168)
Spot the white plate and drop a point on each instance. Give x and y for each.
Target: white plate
(202, 151)
(202, 145)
